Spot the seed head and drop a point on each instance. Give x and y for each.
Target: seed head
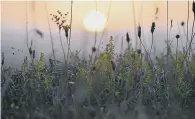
(182, 23)
(177, 36)
(2, 60)
(139, 51)
(139, 31)
(93, 49)
(127, 37)
(30, 51)
(66, 28)
(171, 23)
(33, 54)
(153, 27)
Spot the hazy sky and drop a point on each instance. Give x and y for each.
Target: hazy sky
(120, 21)
(13, 13)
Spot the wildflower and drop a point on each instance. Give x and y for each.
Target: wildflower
(139, 31)
(182, 23)
(127, 37)
(113, 65)
(93, 49)
(153, 27)
(177, 36)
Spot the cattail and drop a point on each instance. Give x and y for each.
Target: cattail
(193, 7)
(139, 31)
(113, 65)
(153, 27)
(33, 54)
(177, 36)
(182, 23)
(127, 37)
(93, 49)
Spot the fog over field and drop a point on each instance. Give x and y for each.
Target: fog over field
(80, 41)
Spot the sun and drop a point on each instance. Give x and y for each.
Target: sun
(94, 21)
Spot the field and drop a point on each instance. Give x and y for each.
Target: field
(130, 85)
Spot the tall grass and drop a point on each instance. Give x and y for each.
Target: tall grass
(128, 87)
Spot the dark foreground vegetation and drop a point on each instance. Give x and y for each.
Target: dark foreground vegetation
(129, 86)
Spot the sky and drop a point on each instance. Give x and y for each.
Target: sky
(119, 15)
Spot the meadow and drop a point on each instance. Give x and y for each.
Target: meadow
(134, 84)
